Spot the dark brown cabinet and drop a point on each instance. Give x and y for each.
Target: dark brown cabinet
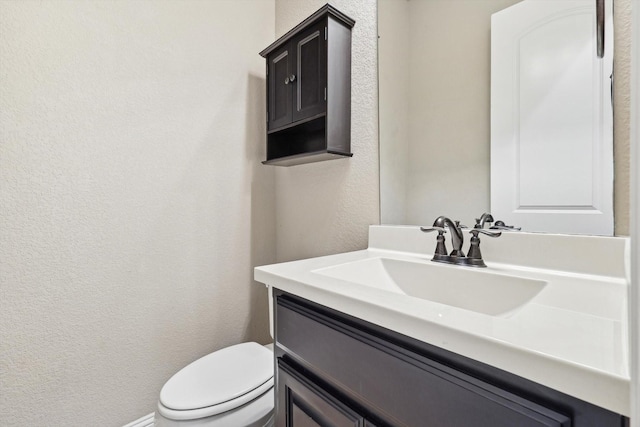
(335, 370)
(309, 91)
(309, 405)
(298, 78)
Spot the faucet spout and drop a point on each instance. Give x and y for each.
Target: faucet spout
(485, 218)
(457, 238)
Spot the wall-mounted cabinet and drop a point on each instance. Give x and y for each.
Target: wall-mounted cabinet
(309, 91)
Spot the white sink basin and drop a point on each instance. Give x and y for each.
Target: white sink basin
(537, 311)
(472, 289)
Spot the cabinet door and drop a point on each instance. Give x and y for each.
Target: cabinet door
(309, 88)
(280, 64)
(300, 403)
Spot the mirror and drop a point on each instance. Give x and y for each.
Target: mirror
(434, 59)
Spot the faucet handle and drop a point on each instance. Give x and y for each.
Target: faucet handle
(440, 230)
(441, 249)
(500, 225)
(476, 231)
(456, 224)
(474, 258)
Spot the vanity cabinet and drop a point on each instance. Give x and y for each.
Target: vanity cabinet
(336, 370)
(309, 91)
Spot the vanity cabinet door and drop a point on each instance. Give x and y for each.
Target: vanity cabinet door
(300, 403)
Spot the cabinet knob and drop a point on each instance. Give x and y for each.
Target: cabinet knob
(292, 78)
(286, 80)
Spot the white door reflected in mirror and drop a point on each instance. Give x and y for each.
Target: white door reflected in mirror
(434, 63)
(552, 118)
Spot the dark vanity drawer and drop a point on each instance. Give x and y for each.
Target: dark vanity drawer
(396, 385)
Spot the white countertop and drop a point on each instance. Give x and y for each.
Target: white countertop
(571, 337)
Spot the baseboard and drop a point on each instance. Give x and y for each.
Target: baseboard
(146, 421)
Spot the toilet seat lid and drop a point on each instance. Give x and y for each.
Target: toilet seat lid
(234, 372)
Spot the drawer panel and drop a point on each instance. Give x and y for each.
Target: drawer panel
(403, 388)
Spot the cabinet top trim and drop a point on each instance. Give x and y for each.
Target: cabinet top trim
(327, 9)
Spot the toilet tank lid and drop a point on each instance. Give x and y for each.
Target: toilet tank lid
(219, 377)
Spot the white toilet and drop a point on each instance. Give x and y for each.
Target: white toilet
(231, 387)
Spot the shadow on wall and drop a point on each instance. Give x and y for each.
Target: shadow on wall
(200, 310)
(219, 222)
(263, 207)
